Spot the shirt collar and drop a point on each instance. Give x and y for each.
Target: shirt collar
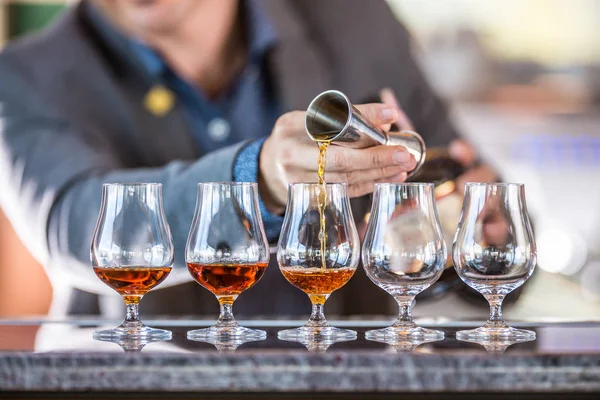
(261, 33)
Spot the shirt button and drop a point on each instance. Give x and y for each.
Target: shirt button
(219, 129)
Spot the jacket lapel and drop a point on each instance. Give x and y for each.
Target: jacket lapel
(298, 68)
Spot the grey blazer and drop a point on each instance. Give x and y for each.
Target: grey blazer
(72, 118)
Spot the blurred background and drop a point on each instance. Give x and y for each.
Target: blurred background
(523, 79)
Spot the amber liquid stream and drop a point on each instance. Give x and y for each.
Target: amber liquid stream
(322, 199)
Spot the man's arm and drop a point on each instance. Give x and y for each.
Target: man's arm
(426, 110)
(52, 174)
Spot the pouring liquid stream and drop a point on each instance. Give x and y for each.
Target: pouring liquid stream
(322, 199)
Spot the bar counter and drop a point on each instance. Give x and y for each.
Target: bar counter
(60, 359)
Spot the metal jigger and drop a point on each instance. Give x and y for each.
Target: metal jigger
(331, 117)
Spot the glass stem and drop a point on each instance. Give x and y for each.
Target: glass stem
(132, 311)
(404, 311)
(226, 317)
(317, 317)
(496, 318)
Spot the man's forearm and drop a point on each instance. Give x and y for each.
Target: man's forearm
(73, 216)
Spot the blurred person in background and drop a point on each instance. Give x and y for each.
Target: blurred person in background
(187, 91)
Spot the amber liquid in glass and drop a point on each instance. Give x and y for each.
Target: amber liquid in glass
(227, 279)
(318, 282)
(132, 282)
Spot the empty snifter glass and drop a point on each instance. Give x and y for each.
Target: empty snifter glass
(317, 267)
(132, 252)
(494, 251)
(404, 253)
(227, 252)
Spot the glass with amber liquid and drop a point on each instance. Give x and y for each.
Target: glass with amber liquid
(305, 263)
(227, 252)
(132, 252)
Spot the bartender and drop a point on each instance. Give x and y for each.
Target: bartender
(186, 91)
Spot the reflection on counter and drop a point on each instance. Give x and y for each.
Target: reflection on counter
(497, 345)
(132, 345)
(405, 346)
(225, 345)
(316, 344)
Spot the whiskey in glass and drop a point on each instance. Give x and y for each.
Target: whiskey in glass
(132, 252)
(227, 253)
(315, 267)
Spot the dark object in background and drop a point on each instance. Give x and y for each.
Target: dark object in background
(439, 168)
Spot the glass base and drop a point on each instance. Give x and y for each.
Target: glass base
(317, 333)
(495, 333)
(216, 334)
(399, 334)
(132, 332)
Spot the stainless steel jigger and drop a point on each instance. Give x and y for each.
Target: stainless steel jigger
(331, 117)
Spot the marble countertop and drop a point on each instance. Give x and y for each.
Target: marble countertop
(41, 356)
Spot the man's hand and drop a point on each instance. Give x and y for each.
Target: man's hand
(288, 155)
(465, 154)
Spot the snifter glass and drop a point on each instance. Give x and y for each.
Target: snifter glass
(404, 253)
(318, 267)
(494, 252)
(227, 252)
(132, 252)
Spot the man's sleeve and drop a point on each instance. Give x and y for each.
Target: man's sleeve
(246, 170)
(51, 177)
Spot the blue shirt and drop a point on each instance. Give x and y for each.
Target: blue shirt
(246, 111)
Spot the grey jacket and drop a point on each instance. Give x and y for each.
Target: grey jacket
(72, 118)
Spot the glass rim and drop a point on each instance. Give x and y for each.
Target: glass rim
(500, 184)
(132, 184)
(407, 184)
(224, 183)
(331, 184)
